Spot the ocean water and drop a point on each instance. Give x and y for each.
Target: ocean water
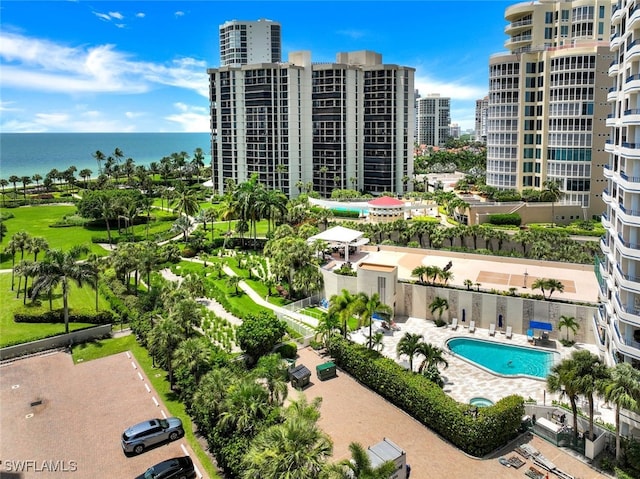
(25, 154)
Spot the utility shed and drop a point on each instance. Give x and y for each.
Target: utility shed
(387, 450)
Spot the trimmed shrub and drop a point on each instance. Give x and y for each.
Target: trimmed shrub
(103, 317)
(287, 350)
(479, 434)
(505, 219)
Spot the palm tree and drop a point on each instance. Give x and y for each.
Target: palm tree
(163, 340)
(37, 178)
(3, 184)
(100, 157)
(420, 271)
(440, 305)
(552, 193)
(15, 180)
(590, 373)
(433, 356)
(85, 174)
(232, 282)
(272, 372)
(623, 390)
(562, 379)
(295, 449)
(409, 345)
(193, 357)
(244, 406)
(360, 467)
(183, 225)
(62, 267)
(568, 322)
(186, 201)
(370, 305)
(36, 245)
(554, 285)
(342, 305)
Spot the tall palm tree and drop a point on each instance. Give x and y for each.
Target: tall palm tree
(3, 184)
(37, 178)
(590, 372)
(244, 406)
(409, 346)
(100, 157)
(552, 193)
(623, 390)
(562, 379)
(163, 340)
(14, 180)
(342, 305)
(433, 356)
(62, 267)
(370, 305)
(193, 356)
(568, 322)
(186, 201)
(272, 372)
(36, 245)
(359, 466)
(12, 249)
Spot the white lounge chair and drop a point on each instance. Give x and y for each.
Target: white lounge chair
(492, 329)
(454, 323)
(509, 333)
(472, 326)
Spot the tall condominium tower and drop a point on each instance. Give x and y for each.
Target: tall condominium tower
(301, 125)
(548, 100)
(433, 120)
(619, 270)
(482, 109)
(243, 43)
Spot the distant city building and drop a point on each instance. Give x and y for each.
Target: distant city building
(482, 110)
(454, 130)
(301, 125)
(548, 101)
(433, 118)
(618, 272)
(243, 43)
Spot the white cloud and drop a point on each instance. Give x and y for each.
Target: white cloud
(179, 13)
(355, 34)
(457, 90)
(36, 64)
(140, 15)
(193, 119)
(117, 15)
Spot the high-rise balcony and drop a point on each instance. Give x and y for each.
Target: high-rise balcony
(630, 184)
(633, 50)
(608, 144)
(629, 216)
(626, 346)
(631, 85)
(616, 15)
(607, 171)
(630, 282)
(611, 119)
(606, 197)
(628, 314)
(630, 150)
(518, 25)
(633, 18)
(628, 249)
(615, 41)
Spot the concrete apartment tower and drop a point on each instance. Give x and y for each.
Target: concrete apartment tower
(243, 43)
(618, 271)
(482, 110)
(433, 119)
(300, 125)
(548, 102)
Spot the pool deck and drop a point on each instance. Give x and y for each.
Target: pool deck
(464, 381)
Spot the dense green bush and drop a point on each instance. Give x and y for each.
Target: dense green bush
(478, 435)
(505, 219)
(287, 350)
(103, 317)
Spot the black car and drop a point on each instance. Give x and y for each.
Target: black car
(149, 433)
(176, 468)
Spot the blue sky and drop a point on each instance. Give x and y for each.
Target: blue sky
(140, 66)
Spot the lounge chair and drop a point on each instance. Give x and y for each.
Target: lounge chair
(509, 333)
(454, 323)
(472, 326)
(530, 335)
(492, 329)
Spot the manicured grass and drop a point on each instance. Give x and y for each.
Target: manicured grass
(80, 299)
(36, 220)
(157, 377)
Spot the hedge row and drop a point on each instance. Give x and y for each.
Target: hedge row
(103, 317)
(477, 435)
(505, 219)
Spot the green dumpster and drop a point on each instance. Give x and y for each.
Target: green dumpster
(326, 371)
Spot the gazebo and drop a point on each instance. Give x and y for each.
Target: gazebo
(386, 209)
(341, 237)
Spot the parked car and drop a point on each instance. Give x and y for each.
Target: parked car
(149, 433)
(176, 468)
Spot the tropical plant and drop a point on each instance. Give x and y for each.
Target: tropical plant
(622, 389)
(163, 340)
(562, 379)
(368, 306)
(408, 345)
(62, 267)
(590, 373)
(568, 322)
(359, 466)
(440, 305)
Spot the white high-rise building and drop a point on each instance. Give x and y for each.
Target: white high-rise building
(548, 101)
(243, 43)
(433, 120)
(301, 125)
(482, 110)
(618, 271)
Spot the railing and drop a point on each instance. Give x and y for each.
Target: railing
(629, 212)
(631, 145)
(628, 277)
(624, 308)
(633, 111)
(632, 179)
(633, 44)
(627, 244)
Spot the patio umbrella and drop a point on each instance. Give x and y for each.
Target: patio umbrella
(499, 320)
(464, 314)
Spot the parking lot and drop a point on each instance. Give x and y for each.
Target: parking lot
(58, 419)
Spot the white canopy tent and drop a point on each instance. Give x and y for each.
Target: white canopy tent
(341, 236)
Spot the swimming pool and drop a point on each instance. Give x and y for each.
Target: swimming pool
(504, 359)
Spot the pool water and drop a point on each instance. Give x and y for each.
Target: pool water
(481, 402)
(504, 359)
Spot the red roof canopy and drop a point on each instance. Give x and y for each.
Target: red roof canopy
(386, 201)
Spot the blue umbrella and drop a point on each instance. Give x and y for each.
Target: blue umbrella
(499, 320)
(464, 314)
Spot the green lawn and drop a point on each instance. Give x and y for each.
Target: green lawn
(157, 377)
(80, 299)
(36, 221)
